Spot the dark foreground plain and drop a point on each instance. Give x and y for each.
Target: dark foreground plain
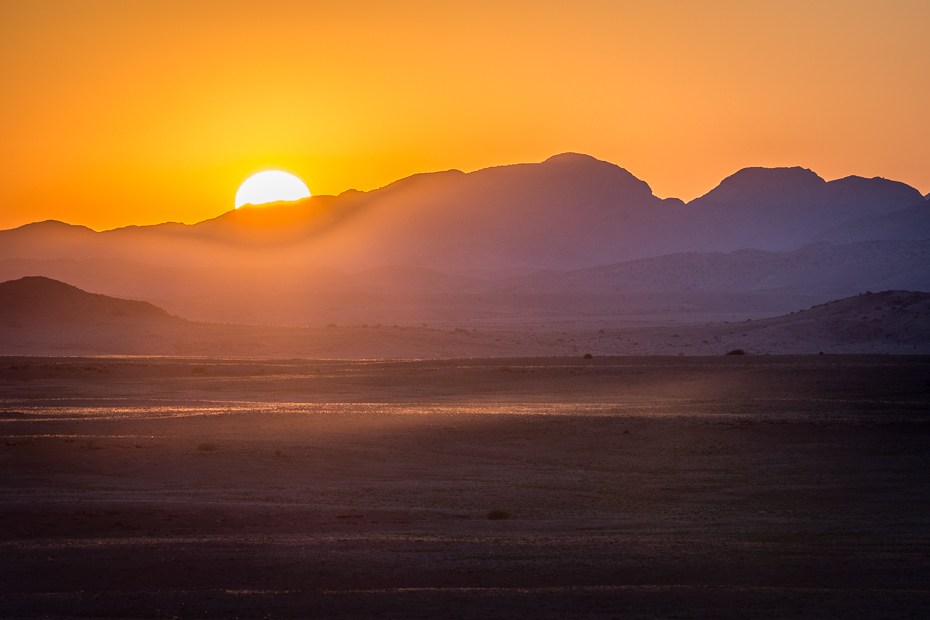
(649, 487)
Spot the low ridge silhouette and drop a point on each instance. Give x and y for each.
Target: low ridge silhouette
(699, 286)
(40, 300)
(39, 316)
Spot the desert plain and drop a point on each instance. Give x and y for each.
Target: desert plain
(763, 486)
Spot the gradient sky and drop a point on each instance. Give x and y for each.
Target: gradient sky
(115, 113)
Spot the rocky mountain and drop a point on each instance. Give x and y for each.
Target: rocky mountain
(785, 208)
(568, 212)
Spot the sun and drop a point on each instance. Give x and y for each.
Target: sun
(270, 186)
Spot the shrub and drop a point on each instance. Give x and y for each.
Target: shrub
(206, 446)
(588, 356)
(496, 515)
(198, 370)
(736, 352)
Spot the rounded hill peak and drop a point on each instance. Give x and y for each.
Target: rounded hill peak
(572, 158)
(591, 172)
(777, 183)
(34, 299)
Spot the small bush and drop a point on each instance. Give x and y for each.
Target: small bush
(588, 356)
(199, 370)
(736, 352)
(496, 515)
(206, 446)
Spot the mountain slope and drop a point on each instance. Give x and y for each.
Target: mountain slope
(885, 322)
(889, 322)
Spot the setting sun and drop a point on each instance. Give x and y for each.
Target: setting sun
(270, 186)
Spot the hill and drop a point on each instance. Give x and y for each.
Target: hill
(37, 300)
(885, 322)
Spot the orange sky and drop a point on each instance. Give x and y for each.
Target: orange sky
(115, 113)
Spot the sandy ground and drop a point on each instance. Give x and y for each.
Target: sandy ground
(650, 487)
(771, 336)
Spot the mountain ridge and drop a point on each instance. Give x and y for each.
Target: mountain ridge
(570, 211)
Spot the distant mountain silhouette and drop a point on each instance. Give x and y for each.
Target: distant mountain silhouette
(39, 300)
(823, 267)
(568, 212)
(696, 285)
(786, 208)
(912, 223)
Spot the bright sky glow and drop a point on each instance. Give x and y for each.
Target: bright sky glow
(270, 186)
(169, 105)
